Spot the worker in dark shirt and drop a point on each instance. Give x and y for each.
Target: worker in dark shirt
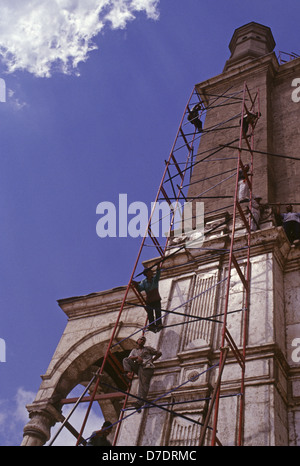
(193, 117)
(249, 119)
(99, 437)
(291, 224)
(153, 299)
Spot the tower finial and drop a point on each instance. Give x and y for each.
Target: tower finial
(249, 42)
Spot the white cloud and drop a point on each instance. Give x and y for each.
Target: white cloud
(14, 101)
(43, 36)
(14, 416)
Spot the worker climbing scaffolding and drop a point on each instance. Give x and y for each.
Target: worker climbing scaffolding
(140, 361)
(153, 300)
(193, 117)
(290, 221)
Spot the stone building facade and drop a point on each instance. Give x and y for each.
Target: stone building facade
(184, 377)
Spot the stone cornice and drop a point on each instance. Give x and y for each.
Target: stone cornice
(240, 73)
(287, 69)
(270, 240)
(94, 303)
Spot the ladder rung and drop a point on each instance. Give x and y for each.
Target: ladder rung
(74, 432)
(243, 216)
(177, 166)
(138, 295)
(185, 140)
(115, 361)
(156, 243)
(163, 191)
(249, 148)
(116, 366)
(238, 269)
(239, 357)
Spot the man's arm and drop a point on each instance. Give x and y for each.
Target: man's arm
(157, 275)
(133, 355)
(141, 286)
(156, 356)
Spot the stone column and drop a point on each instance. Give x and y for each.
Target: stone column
(42, 418)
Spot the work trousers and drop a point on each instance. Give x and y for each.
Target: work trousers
(243, 190)
(152, 308)
(144, 375)
(292, 230)
(255, 220)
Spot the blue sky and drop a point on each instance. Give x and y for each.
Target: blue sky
(81, 130)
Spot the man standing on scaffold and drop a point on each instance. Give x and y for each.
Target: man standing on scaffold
(140, 361)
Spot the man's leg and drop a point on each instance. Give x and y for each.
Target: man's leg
(243, 191)
(288, 230)
(130, 365)
(297, 230)
(149, 310)
(157, 308)
(255, 219)
(145, 376)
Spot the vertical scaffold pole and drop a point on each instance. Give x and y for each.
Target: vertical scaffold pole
(225, 336)
(248, 278)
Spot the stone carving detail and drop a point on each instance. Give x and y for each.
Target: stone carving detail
(185, 433)
(199, 332)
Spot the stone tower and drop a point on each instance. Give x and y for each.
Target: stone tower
(272, 379)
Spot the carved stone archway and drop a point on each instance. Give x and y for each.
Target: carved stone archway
(78, 356)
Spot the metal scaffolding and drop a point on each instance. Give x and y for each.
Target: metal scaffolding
(173, 188)
(240, 354)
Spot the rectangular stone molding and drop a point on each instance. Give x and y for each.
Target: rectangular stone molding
(184, 432)
(203, 292)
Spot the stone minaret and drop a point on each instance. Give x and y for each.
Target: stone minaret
(272, 379)
(253, 61)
